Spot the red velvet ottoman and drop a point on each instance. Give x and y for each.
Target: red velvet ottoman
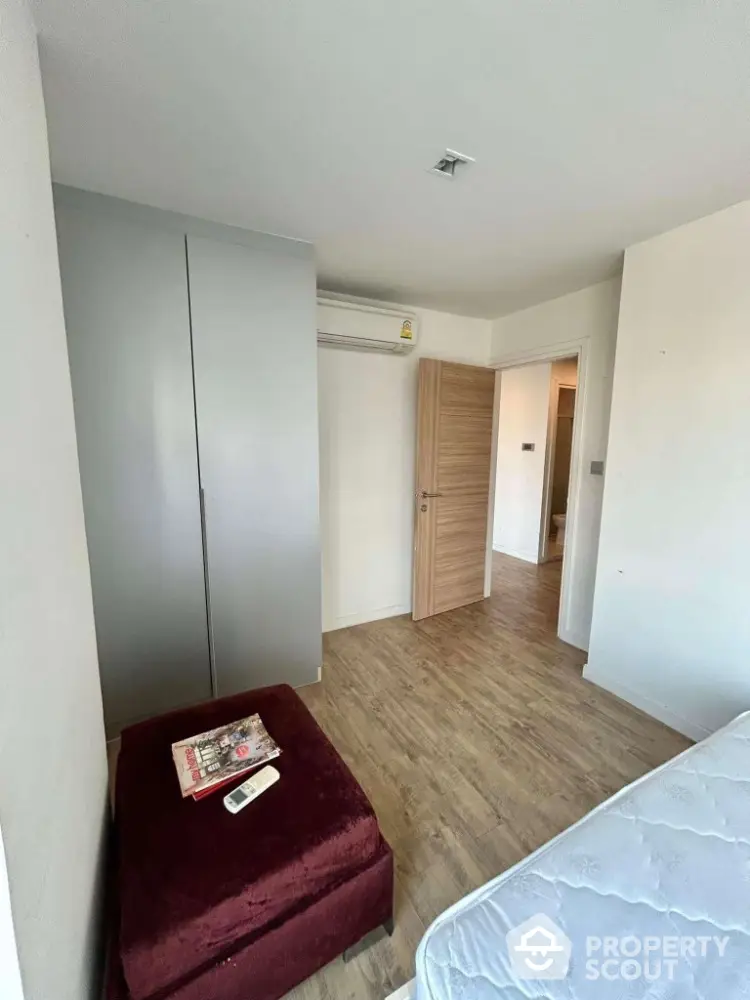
(212, 906)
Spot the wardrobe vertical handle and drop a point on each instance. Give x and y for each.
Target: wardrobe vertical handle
(207, 578)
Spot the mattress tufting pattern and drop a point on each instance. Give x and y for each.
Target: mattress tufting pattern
(652, 889)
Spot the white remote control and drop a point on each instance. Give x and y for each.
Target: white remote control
(251, 789)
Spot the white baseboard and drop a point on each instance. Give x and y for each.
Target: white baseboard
(308, 683)
(602, 679)
(532, 557)
(406, 992)
(573, 638)
(362, 617)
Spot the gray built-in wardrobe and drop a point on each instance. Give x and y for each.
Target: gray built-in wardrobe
(193, 363)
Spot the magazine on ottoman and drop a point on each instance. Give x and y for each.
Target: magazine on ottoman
(211, 760)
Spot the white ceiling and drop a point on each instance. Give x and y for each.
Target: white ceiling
(594, 124)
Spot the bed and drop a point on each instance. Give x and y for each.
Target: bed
(660, 873)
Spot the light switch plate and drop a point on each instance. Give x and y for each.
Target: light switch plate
(528, 446)
(597, 468)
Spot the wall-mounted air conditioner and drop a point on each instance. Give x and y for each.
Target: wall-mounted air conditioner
(365, 327)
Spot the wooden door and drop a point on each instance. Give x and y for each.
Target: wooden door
(454, 445)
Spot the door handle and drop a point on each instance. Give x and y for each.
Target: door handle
(207, 584)
(424, 494)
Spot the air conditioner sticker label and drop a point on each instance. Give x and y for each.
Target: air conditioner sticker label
(406, 332)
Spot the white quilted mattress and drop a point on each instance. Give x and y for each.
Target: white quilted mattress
(652, 890)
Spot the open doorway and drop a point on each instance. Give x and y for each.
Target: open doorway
(483, 504)
(559, 454)
(535, 445)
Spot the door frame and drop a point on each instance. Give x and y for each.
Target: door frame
(549, 467)
(580, 350)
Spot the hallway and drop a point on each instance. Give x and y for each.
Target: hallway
(476, 739)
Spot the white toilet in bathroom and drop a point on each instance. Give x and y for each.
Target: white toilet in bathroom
(559, 522)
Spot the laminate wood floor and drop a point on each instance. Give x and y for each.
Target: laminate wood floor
(476, 739)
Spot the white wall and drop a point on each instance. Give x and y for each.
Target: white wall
(588, 318)
(367, 440)
(523, 416)
(671, 629)
(11, 987)
(51, 729)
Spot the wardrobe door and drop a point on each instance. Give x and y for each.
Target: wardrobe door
(127, 317)
(255, 357)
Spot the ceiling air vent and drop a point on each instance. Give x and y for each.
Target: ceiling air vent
(452, 164)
